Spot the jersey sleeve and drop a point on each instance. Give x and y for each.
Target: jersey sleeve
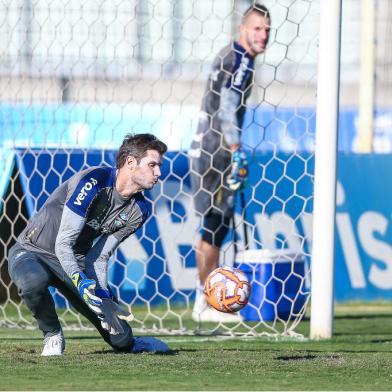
(230, 101)
(87, 188)
(82, 191)
(96, 262)
(234, 67)
(70, 227)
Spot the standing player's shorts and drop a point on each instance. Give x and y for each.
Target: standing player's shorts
(213, 199)
(209, 171)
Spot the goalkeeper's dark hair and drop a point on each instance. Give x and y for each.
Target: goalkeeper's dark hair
(260, 9)
(137, 146)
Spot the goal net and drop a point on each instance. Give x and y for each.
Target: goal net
(77, 76)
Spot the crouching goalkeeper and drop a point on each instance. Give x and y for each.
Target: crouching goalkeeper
(67, 245)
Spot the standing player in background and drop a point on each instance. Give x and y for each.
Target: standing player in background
(68, 242)
(218, 163)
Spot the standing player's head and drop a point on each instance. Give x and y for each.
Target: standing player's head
(140, 159)
(255, 29)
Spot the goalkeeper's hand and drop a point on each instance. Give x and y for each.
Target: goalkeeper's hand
(86, 288)
(111, 315)
(239, 170)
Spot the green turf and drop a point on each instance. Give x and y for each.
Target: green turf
(359, 357)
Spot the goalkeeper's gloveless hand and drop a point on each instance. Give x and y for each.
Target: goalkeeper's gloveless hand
(111, 315)
(239, 170)
(86, 288)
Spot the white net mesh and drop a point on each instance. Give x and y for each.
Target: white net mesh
(77, 76)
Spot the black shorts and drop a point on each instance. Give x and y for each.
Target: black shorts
(209, 188)
(215, 227)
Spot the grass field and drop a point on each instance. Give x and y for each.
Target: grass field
(359, 357)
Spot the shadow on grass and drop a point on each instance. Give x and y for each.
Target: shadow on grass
(8, 339)
(109, 351)
(358, 333)
(381, 341)
(307, 357)
(310, 357)
(363, 316)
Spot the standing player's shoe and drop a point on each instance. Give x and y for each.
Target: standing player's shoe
(202, 312)
(211, 315)
(200, 303)
(54, 344)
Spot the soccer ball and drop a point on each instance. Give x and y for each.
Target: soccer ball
(227, 289)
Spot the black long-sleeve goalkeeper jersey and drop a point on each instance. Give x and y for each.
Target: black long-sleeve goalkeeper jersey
(83, 221)
(224, 103)
(222, 115)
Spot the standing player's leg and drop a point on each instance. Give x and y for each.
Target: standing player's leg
(207, 257)
(215, 228)
(214, 202)
(32, 279)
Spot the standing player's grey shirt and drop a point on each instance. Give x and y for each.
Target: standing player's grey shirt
(223, 108)
(84, 221)
(222, 114)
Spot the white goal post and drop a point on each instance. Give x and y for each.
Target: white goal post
(79, 75)
(323, 253)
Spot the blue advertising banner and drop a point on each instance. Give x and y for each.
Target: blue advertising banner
(158, 261)
(364, 233)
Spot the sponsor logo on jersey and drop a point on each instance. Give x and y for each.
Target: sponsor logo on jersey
(94, 224)
(83, 192)
(239, 77)
(118, 223)
(121, 220)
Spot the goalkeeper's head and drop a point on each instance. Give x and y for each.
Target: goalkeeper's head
(255, 29)
(137, 147)
(138, 162)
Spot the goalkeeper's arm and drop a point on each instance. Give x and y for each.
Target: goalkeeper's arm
(70, 228)
(96, 263)
(230, 101)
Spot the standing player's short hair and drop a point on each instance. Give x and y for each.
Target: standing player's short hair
(137, 146)
(260, 9)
